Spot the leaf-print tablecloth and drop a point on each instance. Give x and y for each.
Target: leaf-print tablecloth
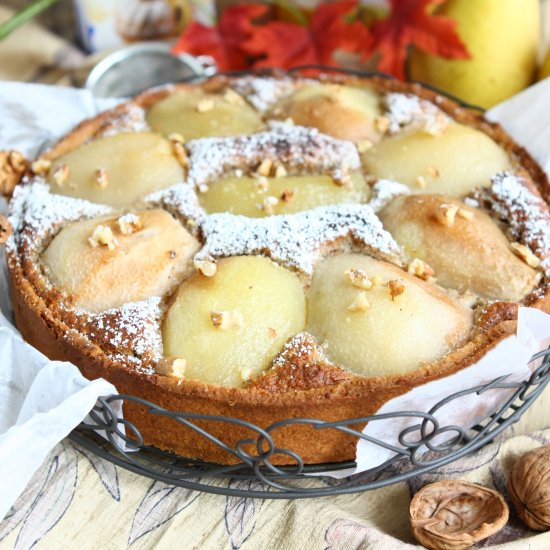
(78, 500)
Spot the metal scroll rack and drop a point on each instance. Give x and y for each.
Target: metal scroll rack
(423, 447)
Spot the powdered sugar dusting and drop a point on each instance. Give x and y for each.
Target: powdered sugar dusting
(526, 214)
(181, 200)
(298, 148)
(131, 118)
(301, 345)
(297, 240)
(407, 111)
(35, 212)
(133, 328)
(384, 191)
(265, 93)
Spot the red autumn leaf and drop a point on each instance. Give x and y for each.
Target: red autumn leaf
(331, 32)
(224, 42)
(410, 24)
(280, 44)
(199, 39)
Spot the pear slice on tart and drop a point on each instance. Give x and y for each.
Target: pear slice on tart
(116, 170)
(454, 162)
(376, 320)
(464, 245)
(116, 260)
(344, 112)
(229, 327)
(195, 114)
(258, 197)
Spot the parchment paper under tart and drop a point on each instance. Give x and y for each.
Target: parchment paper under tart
(41, 317)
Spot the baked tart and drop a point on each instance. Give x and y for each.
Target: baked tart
(274, 247)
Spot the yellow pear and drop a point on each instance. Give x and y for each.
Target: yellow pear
(502, 37)
(544, 71)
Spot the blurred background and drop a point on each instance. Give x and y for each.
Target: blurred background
(481, 51)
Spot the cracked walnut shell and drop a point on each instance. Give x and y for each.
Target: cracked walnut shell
(529, 488)
(453, 515)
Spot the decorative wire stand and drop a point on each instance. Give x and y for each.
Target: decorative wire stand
(423, 446)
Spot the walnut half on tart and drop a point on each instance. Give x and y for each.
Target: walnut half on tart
(305, 248)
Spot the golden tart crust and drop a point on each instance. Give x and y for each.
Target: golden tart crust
(303, 384)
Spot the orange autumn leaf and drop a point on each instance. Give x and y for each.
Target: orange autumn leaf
(411, 24)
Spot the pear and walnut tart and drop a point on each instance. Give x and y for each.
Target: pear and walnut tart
(275, 247)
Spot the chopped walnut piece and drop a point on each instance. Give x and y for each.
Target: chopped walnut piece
(177, 138)
(523, 252)
(376, 280)
(180, 153)
(13, 166)
(172, 254)
(446, 213)
(264, 169)
(207, 267)
(382, 124)
(287, 195)
(261, 184)
(360, 304)
(103, 235)
(5, 229)
(421, 182)
(454, 515)
(227, 319)
(205, 105)
(272, 332)
(364, 145)
(172, 366)
(41, 166)
(268, 205)
(359, 279)
(396, 287)
(101, 178)
(280, 171)
(421, 269)
(232, 97)
(61, 174)
(433, 171)
(129, 223)
(203, 188)
(465, 214)
(341, 177)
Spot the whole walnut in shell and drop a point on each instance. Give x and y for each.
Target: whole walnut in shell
(529, 488)
(452, 515)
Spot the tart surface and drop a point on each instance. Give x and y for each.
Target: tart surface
(291, 247)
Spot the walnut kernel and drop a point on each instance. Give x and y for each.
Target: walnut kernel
(264, 169)
(382, 124)
(13, 166)
(360, 304)
(5, 229)
(446, 213)
(227, 319)
(421, 269)
(364, 145)
(41, 166)
(359, 279)
(421, 182)
(180, 153)
(207, 267)
(103, 236)
(280, 171)
(525, 254)
(287, 195)
(61, 174)
(396, 288)
(172, 366)
(467, 215)
(101, 178)
(129, 223)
